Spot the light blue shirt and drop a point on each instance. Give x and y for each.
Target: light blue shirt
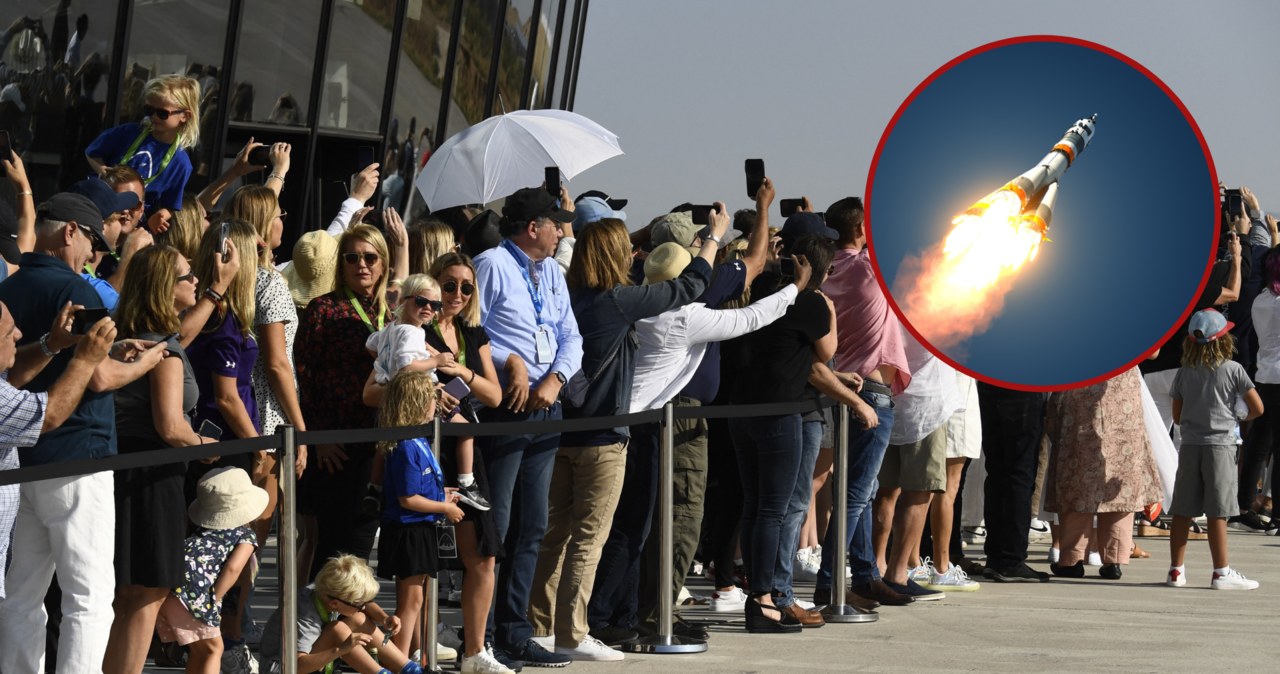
(507, 313)
(110, 298)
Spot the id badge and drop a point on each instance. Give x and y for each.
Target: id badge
(446, 541)
(543, 341)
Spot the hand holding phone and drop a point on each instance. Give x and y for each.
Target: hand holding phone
(459, 390)
(209, 429)
(551, 179)
(6, 150)
(83, 319)
(260, 156)
(755, 176)
(702, 213)
(224, 233)
(790, 207)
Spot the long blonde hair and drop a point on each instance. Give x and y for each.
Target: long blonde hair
(146, 299)
(370, 235)
(410, 400)
(601, 257)
(187, 227)
(1211, 355)
(428, 239)
(256, 205)
(185, 92)
(240, 300)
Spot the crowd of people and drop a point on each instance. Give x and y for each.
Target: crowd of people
(135, 316)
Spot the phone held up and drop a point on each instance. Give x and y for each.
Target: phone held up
(6, 150)
(702, 213)
(755, 176)
(260, 156)
(84, 319)
(552, 180)
(224, 233)
(790, 206)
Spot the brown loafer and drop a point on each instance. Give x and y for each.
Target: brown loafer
(806, 618)
(858, 601)
(878, 591)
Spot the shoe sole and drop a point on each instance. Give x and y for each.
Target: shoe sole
(951, 588)
(473, 504)
(1014, 579)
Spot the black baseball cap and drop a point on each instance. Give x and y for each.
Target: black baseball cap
(77, 208)
(615, 204)
(531, 203)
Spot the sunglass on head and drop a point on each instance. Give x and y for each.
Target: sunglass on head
(370, 259)
(159, 113)
(436, 305)
(451, 287)
(189, 276)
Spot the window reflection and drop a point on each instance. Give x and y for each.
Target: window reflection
(356, 68)
(424, 52)
(562, 57)
(511, 59)
(274, 70)
(542, 43)
(471, 72)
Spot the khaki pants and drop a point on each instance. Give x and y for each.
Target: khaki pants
(585, 484)
(1115, 537)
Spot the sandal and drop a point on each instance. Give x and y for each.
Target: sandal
(1139, 553)
(1151, 529)
(1197, 533)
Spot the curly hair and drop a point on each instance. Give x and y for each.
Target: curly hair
(410, 400)
(1211, 355)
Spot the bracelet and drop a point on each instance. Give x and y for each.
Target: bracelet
(28, 193)
(44, 346)
(214, 295)
(275, 175)
(473, 377)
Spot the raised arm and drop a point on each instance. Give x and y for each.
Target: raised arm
(758, 243)
(16, 171)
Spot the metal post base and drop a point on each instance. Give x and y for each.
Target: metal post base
(660, 644)
(844, 613)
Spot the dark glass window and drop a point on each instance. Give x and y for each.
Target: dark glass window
(563, 61)
(355, 72)
(471, 72)
(275, 63)
(516, 47)
(543, 40)
(415, 109)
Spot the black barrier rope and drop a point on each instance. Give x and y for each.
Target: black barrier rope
(365, 435)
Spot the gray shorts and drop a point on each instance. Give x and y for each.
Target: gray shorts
(918, 466)
(1207, 482)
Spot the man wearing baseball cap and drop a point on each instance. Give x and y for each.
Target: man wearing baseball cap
(114, 209)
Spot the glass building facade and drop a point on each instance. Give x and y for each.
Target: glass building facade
(338, 79)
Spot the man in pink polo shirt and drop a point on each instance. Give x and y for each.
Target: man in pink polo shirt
(870, 344)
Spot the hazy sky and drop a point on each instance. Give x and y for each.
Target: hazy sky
(692, 87)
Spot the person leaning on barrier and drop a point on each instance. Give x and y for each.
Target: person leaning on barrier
(67, 524)
(524, 306)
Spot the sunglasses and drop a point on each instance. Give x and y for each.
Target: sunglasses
(451, 287)
(283, 214)
(98, 243)
(357, 607)
(189, 277)
(436, 305)
(159, 113)
(370, 259)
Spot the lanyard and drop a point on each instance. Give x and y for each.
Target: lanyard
(327, 617)
(534, 295)
(360, 310)
(462, 342)
(133, 149)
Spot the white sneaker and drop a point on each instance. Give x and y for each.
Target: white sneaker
(728, 602)
(1176, 578)
(239, 660)
(921, 574)
(1095, 559)
(1039, 531)
(1054, 555)
(1232, 580)
(806, 605)
(954, 580)
(445, 653)
(805, 568)
(591, 648)
(483, 663)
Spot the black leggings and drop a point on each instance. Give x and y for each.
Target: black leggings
(1263, 443)
(724, 502)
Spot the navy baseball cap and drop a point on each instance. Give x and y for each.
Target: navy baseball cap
(106, 199)
(531, 203)
(804, 224)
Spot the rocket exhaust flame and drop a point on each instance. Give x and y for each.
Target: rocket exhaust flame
(955, 289)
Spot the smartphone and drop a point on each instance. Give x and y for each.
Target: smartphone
(459, 390)
(6, 149)
(364, 157)
(787, 267)
(790, 206)
(260, 156)
(209, 429)
(702, 214)
(755, 176)
(170, 338)
(224, 233)
(552, 178)
(1235, 203)
(83, 319)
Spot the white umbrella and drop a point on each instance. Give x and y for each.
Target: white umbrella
(504, 153)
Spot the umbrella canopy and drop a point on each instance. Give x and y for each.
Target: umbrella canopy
(504, 153)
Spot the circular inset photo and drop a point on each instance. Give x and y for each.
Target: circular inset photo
(1042, 212)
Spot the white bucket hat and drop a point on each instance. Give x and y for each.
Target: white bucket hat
(225, 499)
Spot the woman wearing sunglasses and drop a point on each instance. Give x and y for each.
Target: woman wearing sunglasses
(154, 147)
(332, 366)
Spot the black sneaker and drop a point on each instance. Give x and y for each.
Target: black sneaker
(371, 505)
(471, 496)
(533, 655)
(1074, 571)
(1018, 573)
(1249, 521)
(613, 636)
(679, 627)
(915, 591)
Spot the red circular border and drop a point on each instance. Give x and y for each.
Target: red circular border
(875, 161)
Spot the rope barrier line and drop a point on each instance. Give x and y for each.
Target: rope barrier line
(366, 435)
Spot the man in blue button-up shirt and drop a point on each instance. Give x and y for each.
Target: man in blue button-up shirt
(533, 334)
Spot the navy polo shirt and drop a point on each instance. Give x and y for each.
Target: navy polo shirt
(35, 294)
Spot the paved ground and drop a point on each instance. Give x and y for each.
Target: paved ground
(1135, 624)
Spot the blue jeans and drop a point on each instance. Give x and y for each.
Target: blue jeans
(768, 450)
(797, 509)
(866, 451)
(519, 470)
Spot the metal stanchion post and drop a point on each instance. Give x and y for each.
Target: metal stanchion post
(432, 606)
(838, 611)
(664, 641)
(287, 549)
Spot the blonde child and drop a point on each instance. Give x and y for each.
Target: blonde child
(415, 500)
(337, 619)
(1204, 393)
(226, 502)
(155, 146)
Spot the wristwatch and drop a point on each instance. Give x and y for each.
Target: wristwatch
(559, 377)
(715, 238)
(44, 347)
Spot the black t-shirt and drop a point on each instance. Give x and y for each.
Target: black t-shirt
(773, 363)
(473, 338)
(727, 283)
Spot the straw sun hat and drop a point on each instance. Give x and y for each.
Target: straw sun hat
(666, 262)
(226, 499)
(315, 262)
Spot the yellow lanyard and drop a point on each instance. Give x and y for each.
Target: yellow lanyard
(360, 310)
(462, 342)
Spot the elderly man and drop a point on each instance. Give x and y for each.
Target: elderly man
(64, 524)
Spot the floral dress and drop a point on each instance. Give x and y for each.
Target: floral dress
(206, 554)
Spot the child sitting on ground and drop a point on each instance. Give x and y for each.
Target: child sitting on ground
(226, 502)
(402, 345)
(1204, 392)
(338, 620)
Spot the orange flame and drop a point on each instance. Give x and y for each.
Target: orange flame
(956, 289)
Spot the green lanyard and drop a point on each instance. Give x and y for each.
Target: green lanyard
(360, 310)
(327, 617)
(462, 343)
(133, 149)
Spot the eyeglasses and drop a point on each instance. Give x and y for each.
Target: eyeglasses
(370, 259)
(283, 214)
(358, 607)
(98, 243)
(159, 113)
(189, 277)
(436, 305)
(451, 287)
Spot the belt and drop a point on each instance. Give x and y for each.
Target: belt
(876, 387)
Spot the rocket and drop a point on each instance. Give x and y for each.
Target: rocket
(1037, 189)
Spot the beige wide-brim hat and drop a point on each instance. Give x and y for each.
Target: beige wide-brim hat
(315, 262)
(665, 263)
(226, 498)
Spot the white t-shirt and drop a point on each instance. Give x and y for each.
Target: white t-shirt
(1266, 322)
(929, 400)
(396, 346)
